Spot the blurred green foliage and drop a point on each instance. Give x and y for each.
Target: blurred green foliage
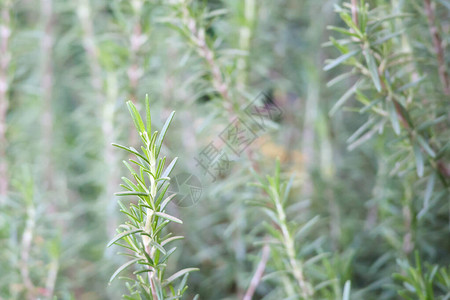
(358, 207)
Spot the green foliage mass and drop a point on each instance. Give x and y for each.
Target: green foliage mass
(309, 157)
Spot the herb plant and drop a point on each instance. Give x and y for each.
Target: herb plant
(142, 235)
(399, 77)
(364, 132)
(278, 192)
(299, 271)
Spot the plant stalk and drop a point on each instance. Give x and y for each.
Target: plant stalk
(256, 279)
(288, 242)
(438, 48)
(5, 33)
(47, 87)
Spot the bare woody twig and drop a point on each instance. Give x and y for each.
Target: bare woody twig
(438, 48)
(258, 273)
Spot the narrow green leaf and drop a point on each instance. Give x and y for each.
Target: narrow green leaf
(132, 193)
(339, 78)
(343, 31)
(393, 116)
(161, 195)
(428, 192)
(376, 22)
(126, 187)
(426, 146)
(373, 69)
(429, 123)
(182, 286)
(142, 271)
(388, 37)
(287, 189)
(158, 246)
(161, 136)
(163, 179)
(122, 235)
(140, 165)
(166, 201)
(305, 228)
(168, 217)
(271, 214)
(419, 159)
(341, 44)
(178, 274)
(147, 256)
(411, 84)
(136, 117)
(160, 166)
(349, 21)
(131, 150)
(168, 254)
(130, 183)
(160, 227)
(367, 136)
(372, 106)
(141, 183)
(171, 239)
(123, 267)
(429, 189)
(129, 168)
(361, 130)
(169, 168)
(340, 59)
(343, 99)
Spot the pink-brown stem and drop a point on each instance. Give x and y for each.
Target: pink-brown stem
(5, 33)
(256, 279)
(355, 11)
(438, 47)
(218, 79)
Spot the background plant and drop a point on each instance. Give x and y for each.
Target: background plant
(70, 67)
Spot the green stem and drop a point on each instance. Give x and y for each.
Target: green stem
(289, 244)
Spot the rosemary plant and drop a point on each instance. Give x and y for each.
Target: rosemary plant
(387, 85)
(301, 272)
(424, 281)
(395, 85)
(278, 192)
(142, 234)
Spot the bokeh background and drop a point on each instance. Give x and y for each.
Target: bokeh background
(68, 67)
